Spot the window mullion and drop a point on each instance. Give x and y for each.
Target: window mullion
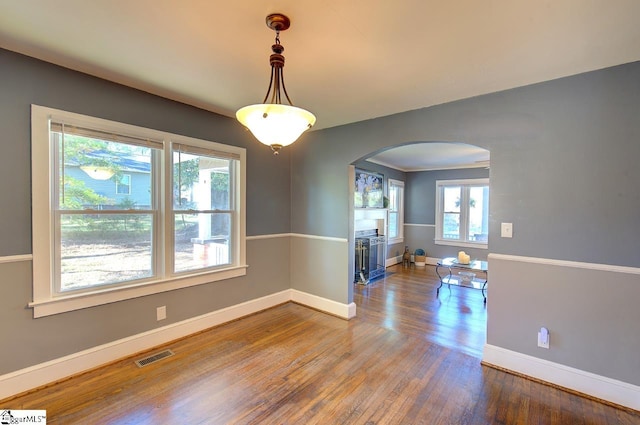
(440, 206)
(56, 282)
(164, 202)
(464, 214)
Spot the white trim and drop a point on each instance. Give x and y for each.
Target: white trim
(44, 373)
(48, 307)
(393, 261)
(460, 243)
(463, 213)
(432, 261)
(565, 263)
(482, 181)
(611, 390)
(16, 258)
(399, 211)
(273, 236)
(419, 225)
(296, 235)
(63, 367)
(324, 238)
(344, 311)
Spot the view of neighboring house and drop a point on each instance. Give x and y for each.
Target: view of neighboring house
(124, 182)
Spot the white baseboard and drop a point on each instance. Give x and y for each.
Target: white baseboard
(344, 311)
(54, 370)
(393, 261)
(611, 390)
(432, 261)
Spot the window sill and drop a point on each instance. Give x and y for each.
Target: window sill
(395, 241)
(461, 244)
(65, 303)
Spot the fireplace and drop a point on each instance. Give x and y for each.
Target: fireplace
(370, 256)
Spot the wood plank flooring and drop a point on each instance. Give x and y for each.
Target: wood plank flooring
(408, 358)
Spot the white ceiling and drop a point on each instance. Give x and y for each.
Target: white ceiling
(347, 61)
(432, 156)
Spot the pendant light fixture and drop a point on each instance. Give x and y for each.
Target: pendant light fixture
(274, 123)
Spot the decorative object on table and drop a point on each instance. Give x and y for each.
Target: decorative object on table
(463, 258)
(406, 257)
(368, 189)
(420, 257)
(276, 124)
(466, 277)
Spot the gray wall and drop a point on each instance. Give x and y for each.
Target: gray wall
(25, 81)
(421, 199)
(564, 157)
(563, 164)
(592, 315)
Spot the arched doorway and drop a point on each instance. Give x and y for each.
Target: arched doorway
(417, 169)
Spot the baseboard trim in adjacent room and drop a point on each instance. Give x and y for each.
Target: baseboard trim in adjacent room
(344, 311)
(587, 383)
(432, 261)
(55, 370)
(393, 261)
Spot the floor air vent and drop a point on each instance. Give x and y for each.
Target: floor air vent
(154, 358)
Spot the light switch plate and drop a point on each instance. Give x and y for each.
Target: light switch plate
(161, 313)
(506, 230)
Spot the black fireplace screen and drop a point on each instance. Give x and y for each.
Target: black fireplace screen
(369, 254)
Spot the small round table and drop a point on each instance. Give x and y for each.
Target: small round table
(451, 263)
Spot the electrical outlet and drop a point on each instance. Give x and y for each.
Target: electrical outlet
(543, 338)
(506, 231)
(161, 313)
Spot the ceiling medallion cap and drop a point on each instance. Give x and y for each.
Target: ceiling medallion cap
(278, 22)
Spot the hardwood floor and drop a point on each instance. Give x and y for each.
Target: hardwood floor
(406, 302)
(408, 358)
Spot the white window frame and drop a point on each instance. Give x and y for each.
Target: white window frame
(391, 183)
(464, 210)
(129, 185)
(45, 299)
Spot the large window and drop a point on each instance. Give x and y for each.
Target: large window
(396, 211)
(181, 224)
(462, 212)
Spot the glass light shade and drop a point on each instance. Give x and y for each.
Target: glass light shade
(97, 172)
(274, 123)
